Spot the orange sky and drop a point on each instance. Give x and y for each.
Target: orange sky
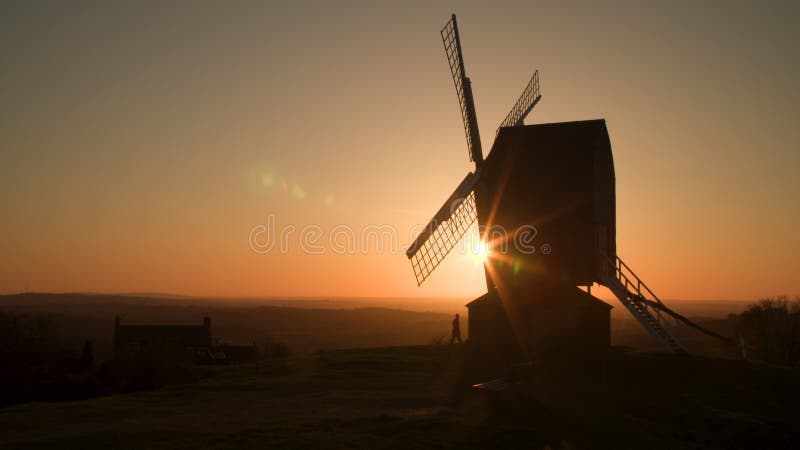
(140, 145)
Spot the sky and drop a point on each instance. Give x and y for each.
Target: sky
(146, 146)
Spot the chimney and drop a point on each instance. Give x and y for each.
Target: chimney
(207, 327)
(116, 335)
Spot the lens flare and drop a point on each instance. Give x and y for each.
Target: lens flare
(481, 252)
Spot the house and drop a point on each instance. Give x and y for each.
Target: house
(194, 339)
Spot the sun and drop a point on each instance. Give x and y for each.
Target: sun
(481, 252)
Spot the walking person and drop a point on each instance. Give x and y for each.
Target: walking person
(456, 331)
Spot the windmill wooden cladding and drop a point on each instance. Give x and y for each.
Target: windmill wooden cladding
(558, 178)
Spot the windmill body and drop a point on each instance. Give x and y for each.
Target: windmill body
(555, 183)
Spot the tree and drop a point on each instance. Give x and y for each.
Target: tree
(771, 329)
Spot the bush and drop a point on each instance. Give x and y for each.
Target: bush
(147, 369)
(439, 341)
(271, 349)
(36, 365)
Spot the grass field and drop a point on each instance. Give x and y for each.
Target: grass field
(418, 397)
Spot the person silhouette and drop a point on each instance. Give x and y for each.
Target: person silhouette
(456, 331)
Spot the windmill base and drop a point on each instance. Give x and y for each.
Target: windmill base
(560, 332)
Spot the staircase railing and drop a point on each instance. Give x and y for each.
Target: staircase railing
(644, 296)
(650, 302)
(641, 302)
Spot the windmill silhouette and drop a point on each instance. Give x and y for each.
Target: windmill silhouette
(552, 183)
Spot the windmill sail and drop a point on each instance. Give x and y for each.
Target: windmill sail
(529, 98)
(445, 229)
(452, 46)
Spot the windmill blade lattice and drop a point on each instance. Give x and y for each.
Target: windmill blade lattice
(443, 236)
(529, 98)
(452, 47)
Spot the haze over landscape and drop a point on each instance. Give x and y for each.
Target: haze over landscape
(141, 144)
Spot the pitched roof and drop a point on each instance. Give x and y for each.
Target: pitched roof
(185, 335)
(196, 336)
(565, 297)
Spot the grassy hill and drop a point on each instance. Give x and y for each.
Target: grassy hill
(418, 397)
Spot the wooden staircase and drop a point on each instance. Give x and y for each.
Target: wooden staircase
(642, 303)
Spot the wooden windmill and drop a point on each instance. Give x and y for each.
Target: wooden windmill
(544, 200)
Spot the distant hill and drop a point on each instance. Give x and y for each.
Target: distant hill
(695, 308)
(422, 304)
(304, 329)
(311, 324)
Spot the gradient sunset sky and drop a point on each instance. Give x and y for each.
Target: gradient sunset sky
(141, 142)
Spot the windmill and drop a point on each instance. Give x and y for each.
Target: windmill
(556, 182)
